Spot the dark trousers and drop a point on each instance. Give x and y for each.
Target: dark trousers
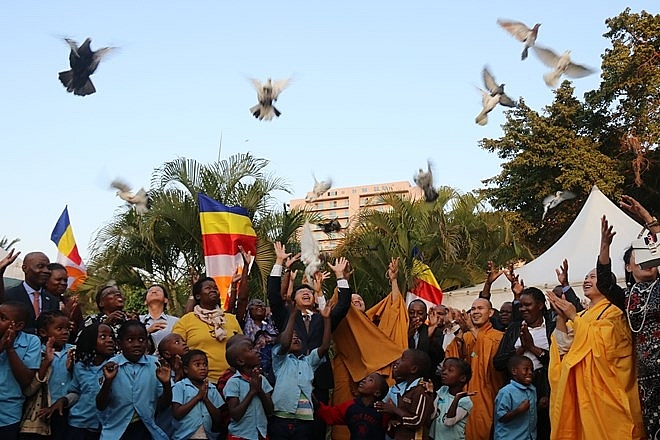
(320, 428)
(10, 432)
(83, 434)
(136, 431)
(289, 429)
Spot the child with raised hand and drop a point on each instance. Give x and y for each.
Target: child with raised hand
(453, 405)
(172, 348)
(410, 416)
(55, 373)
(134, 385)
(515, 403)
(247, 394)
(294, 373)
(20, 357)
(363, 420)
(195, 404)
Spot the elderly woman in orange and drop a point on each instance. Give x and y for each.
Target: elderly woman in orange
(592, 371)
(208, 326)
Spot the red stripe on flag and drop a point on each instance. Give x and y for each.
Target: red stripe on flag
(427, 291)
(227, 244)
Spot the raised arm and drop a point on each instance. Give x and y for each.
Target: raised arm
(287, 334)
(638, 211)
(277, 306)
(342, 270)
(4, 264)
(392, 275)
(491, 275)
(327, 332)
(604, 282)
(567, 290)
(243, 295)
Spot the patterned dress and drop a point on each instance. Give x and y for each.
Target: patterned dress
(643, 310)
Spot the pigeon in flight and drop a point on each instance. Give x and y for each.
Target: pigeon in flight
(139, 200)
(562, 65)
(555, 199)
(329, 226)
(267, 94)
(319, 188)
(490, 99)
(424, 179)
(521, 33)
(83, 61)
(309, 252)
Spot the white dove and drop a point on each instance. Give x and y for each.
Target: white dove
(309, 252)
(490, 99)
(139, 200)
(424, 179)
(267, 94)
(555, 199)
(318, 189)
(562, 65)
(521, 32)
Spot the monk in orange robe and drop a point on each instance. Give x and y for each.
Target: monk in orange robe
(368, 342)
(477, 344)
(592, 371)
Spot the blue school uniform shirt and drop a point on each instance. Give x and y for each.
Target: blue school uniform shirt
(523, 426)
(60, 377)
(292, 375)
(183, 392)
(86, 384)
(28, 349)
(254, 422)
(442, 403)
(135, 389)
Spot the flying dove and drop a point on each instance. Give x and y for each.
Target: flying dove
(267, 94)
(562, 65)
(424, 179)
(490, 99)
(329, 226)
(139, 200)
(319, 188)
(83, 61)
(555, 199)
(309, 252)
(521, 33)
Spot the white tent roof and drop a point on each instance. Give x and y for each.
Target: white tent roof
(579, 245)
(14, 271)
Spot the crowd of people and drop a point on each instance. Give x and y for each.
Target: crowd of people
(302, 366)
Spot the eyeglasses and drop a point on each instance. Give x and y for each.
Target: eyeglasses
(258, 306)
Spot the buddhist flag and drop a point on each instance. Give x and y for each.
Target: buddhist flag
(426, 287)
(67, 254)
(224, 228)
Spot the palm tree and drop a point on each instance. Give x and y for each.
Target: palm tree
(6, 244)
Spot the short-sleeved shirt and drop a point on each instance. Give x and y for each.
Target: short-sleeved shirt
(438, 428)
(158, 336)
(28, 349)
(254, 422)
(135, 389)
(60, 376)
(85, 383)
(509, 398)
(183, 392)
(293, 375)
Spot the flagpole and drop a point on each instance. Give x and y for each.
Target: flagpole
(220, 146)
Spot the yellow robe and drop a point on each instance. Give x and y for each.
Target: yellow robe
(486, 380)
(362, 348)
(594, 386)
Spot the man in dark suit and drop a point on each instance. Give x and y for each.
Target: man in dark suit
(31, 291)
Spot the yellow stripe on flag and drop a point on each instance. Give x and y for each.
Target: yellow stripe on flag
(225, 223)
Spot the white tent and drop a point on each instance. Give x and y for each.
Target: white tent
(579, 245)
(14, 273)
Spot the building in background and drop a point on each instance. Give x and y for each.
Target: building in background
(343, 203)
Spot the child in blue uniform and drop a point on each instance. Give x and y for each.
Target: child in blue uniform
(453, 405)
(515, 403)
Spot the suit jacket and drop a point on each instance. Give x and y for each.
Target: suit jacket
(48, 302)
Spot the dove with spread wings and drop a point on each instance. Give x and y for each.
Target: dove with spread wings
(83, 61)
(555, 199)
(424, 179)
(139, 200)
(267, 94)
(522, 33)
(561, 65)
(319, 188)
(495, 95)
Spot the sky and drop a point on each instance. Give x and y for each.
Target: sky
(378, 89)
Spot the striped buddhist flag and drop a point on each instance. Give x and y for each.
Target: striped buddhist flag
(426, 287)
(224, 228)
(67, 251)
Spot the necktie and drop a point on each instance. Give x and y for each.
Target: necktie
(35, 303)
(307, 319)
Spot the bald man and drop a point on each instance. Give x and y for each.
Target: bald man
(36, 273)
(477, 343)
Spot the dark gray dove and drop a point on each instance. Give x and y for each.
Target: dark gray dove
(139, 200)
(490, 99)
(83, 61)
(555, 199)
(521, 32)
(562, 65)
(424, 179)
(319, 188)
(329, 226)
(267, 94)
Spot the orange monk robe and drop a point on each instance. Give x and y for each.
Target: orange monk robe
(594, 386)
(362, 348)
(486, 380)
